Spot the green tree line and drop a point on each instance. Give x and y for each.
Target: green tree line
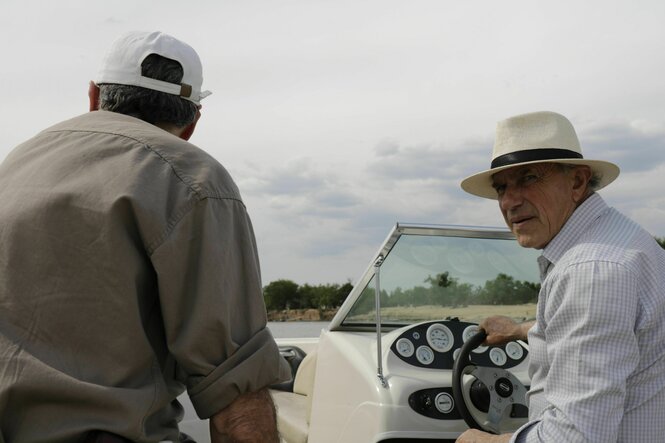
(286, 294)
(442, 290)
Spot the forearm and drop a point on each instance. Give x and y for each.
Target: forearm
(250, 418)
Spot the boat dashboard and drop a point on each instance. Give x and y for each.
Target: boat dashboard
(436, 345)
(428, 350)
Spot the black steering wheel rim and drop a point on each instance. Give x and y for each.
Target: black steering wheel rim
(516, 394)
(459, 366)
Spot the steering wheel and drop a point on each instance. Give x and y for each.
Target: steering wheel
(505, 390)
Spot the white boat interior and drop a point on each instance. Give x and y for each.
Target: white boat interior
(400, 361)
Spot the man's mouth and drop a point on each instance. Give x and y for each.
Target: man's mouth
(517, 222)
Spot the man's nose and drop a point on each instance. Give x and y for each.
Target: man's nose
(511, 198)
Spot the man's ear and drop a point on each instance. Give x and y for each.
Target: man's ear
(186, 134)
(93, 96)
(581, 177)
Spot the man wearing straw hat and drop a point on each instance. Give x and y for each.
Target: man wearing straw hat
(129, 270)
(597, 346)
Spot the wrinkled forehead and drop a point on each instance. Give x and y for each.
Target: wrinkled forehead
(519, 171)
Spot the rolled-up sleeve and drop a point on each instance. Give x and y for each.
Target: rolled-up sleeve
(212, 305)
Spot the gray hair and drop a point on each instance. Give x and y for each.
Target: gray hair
(594, 181)
(154, 107)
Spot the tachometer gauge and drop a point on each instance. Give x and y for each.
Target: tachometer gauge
(514, 350)
(425, 355)
(440, 338)
(498, 357)
(469, 332)
(405, 347)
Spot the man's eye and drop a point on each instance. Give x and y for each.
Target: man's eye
(500, 189)
(530, 178)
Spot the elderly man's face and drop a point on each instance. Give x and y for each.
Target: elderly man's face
(537, 200)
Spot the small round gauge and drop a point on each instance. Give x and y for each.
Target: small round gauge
(425, 355)
(456, 353)
(440, 338)
(444, 402)
(498, 357)
(405, 347)
(514, 350)
(469, 332)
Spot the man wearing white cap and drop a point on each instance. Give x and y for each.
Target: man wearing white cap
(597, 346)
(129, 270)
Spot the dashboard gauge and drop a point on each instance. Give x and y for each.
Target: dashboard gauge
(498, 357)
(514, 350)
(425, 355)
(440, 338)
(405, 347)
(456, 353)
(444, 402)
(469, 332)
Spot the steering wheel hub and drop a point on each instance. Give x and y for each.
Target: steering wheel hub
(503, 387)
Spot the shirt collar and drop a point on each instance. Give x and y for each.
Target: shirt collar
(572, 230)
(543, 267)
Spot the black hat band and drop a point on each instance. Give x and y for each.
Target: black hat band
(532, 155)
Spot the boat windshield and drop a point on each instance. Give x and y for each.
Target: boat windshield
(429, 277)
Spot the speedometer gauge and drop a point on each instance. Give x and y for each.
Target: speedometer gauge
(440, 338)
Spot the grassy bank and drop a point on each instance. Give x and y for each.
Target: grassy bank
(473, 313)
(302, 315)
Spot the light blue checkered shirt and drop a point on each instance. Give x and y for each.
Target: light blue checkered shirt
(598, 346)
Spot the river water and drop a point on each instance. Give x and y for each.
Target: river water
(297, 329)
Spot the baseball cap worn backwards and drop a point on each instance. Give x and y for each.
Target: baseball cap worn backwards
(122, 64)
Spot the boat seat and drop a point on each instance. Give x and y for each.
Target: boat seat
(293, 356)
(294, 408)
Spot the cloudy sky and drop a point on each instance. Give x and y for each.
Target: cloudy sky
(340, 118)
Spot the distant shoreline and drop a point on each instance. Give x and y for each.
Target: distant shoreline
(302, 315)
(475, 313)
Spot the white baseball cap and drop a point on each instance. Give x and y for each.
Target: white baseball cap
(122, 64)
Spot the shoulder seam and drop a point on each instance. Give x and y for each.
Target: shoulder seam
(147, 146)
(182, 177)
(175, 221)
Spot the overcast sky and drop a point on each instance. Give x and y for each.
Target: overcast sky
(340, 118)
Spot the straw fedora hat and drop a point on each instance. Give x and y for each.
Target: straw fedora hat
(535, 138)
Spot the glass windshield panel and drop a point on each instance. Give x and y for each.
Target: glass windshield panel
(435, 277)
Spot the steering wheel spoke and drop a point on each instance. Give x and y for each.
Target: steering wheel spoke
(494, 417)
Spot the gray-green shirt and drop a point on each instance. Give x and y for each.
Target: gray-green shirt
(128, 272)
